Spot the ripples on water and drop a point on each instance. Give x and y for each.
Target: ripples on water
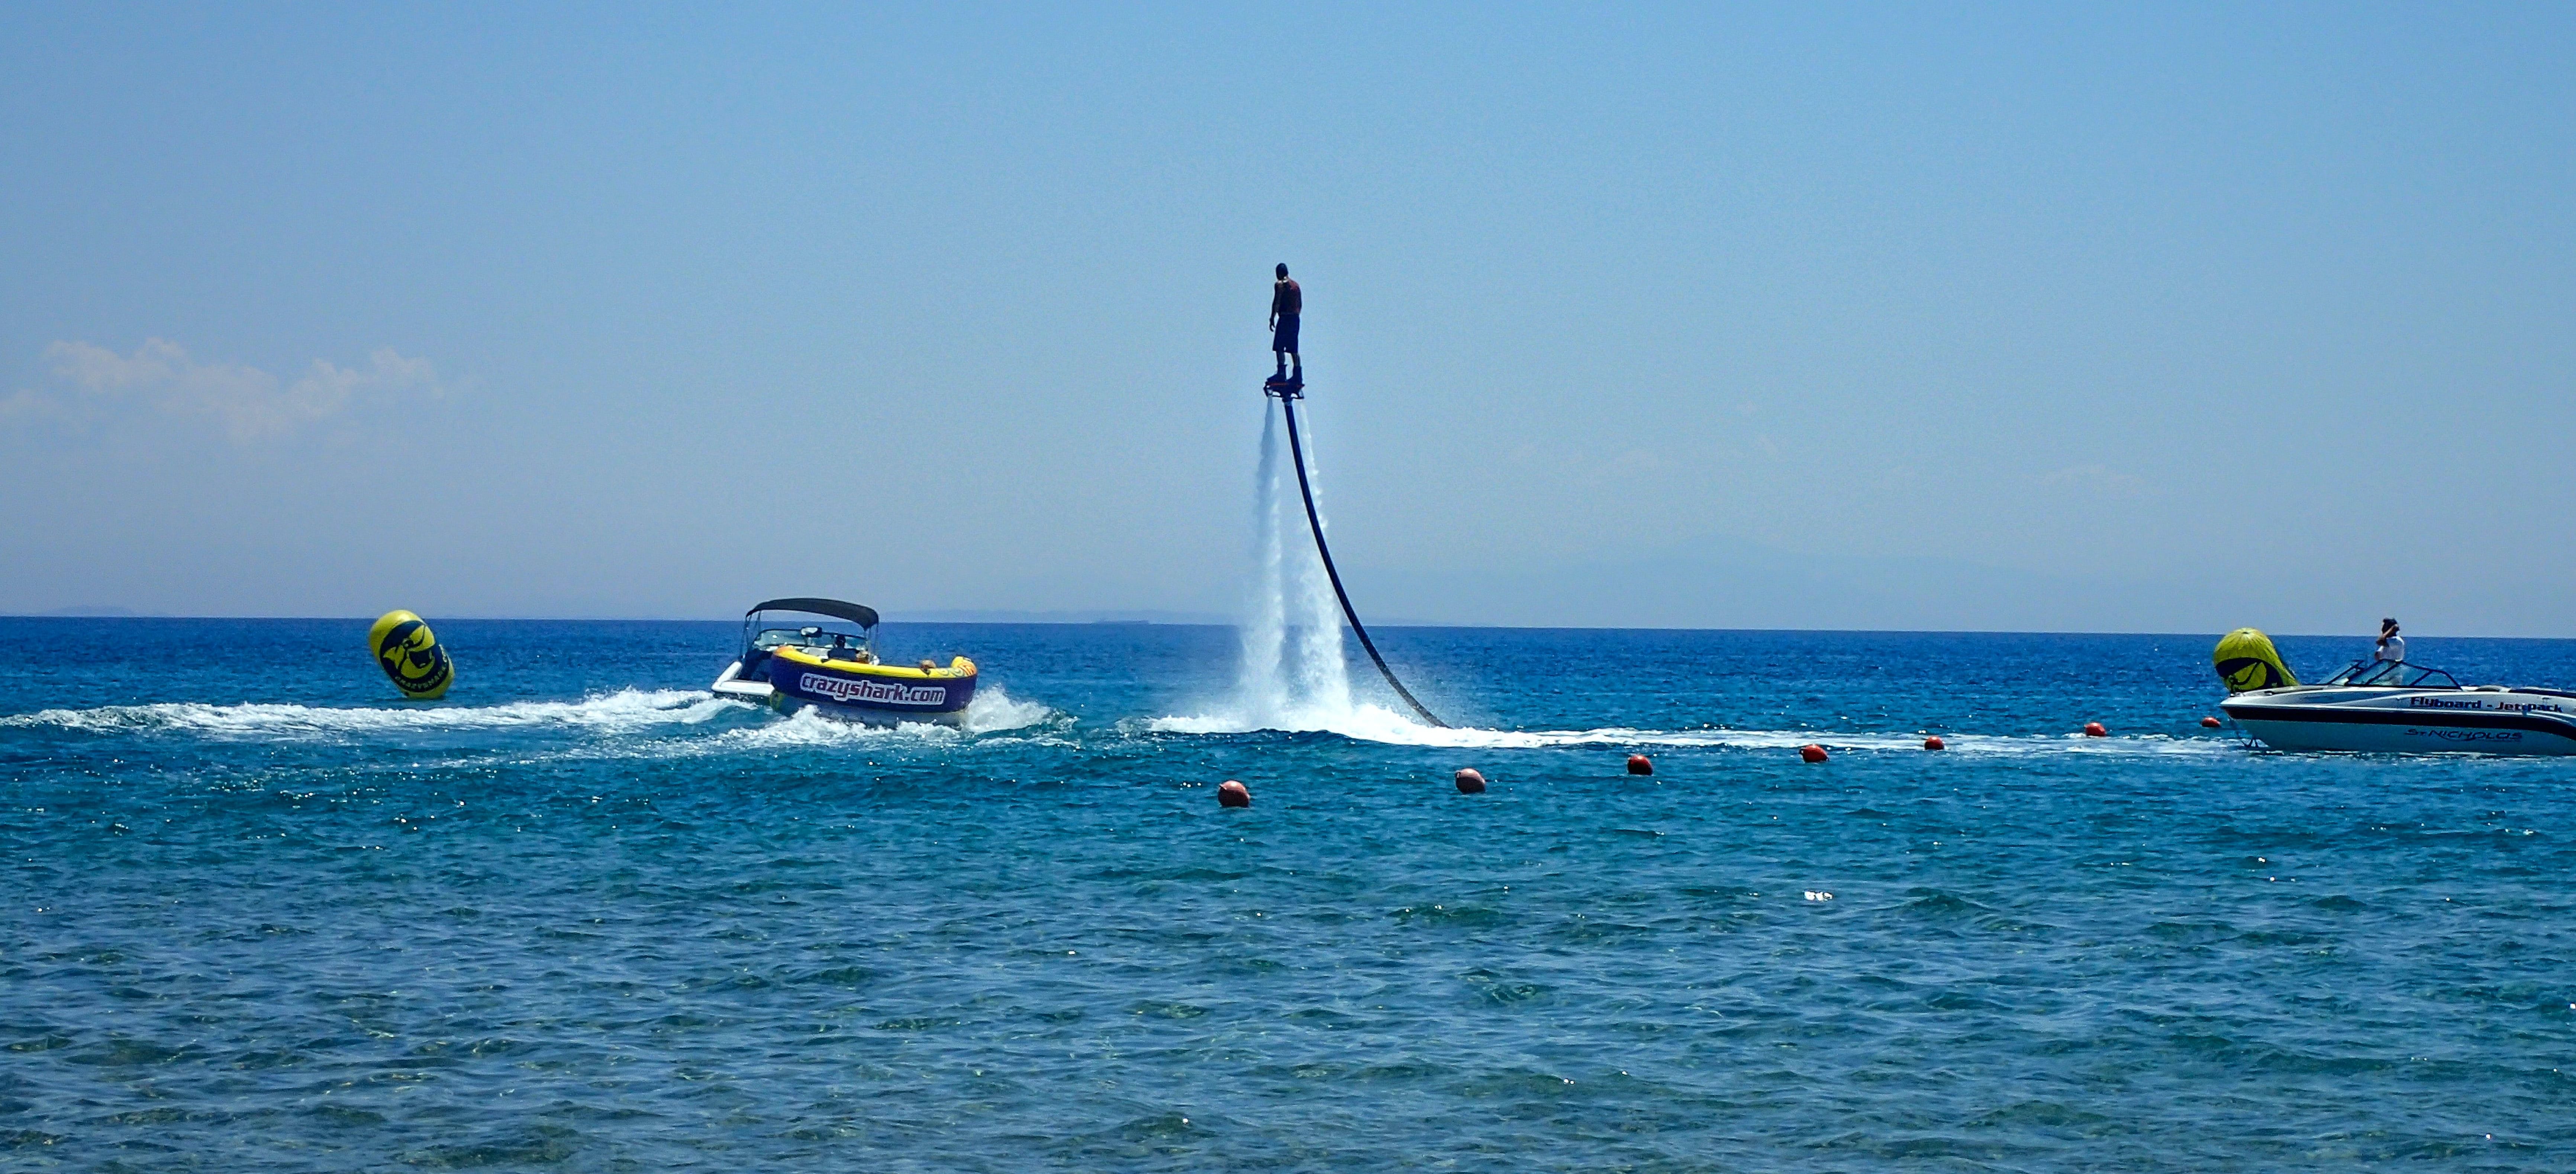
(584, 916)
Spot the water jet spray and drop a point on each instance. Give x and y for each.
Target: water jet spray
(1288, 393)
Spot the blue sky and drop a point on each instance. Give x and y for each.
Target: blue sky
(2096, 318)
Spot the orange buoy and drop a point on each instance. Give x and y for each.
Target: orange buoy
(1811, 752)
(1471, 781)
(2209, 723)
(1639, 764)
(2095, 730)
(1233, 794)
(1935, 743)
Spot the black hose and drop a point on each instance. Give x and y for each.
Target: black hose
(1288, 404)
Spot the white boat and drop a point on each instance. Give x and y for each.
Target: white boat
(2388, 706)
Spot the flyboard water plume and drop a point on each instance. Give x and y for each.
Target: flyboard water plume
(1265, 630)
(1288, 394)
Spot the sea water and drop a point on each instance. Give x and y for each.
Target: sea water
(580, 915)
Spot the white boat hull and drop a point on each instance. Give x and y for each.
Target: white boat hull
(2408, 721)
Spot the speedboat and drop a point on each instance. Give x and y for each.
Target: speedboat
(2387, 706)
(832, 667)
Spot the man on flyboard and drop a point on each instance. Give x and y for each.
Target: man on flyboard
(1286, 302)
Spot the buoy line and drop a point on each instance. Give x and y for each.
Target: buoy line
(1297, 451)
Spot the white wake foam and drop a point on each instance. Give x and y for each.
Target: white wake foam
(993, 712)
(1372, 723)
(625, 709)
(993, 716)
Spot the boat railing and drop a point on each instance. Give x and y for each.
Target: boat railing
(2392, 674)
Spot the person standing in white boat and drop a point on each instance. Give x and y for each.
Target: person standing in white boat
(2391, 645)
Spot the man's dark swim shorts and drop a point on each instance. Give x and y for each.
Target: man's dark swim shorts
(1284, 338)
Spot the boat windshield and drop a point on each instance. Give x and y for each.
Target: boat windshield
(820, 633)
(2392, 674)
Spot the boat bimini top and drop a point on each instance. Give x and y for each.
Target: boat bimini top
(757, 638)
(748, 678)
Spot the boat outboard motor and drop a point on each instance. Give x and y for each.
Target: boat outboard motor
(2247, 660)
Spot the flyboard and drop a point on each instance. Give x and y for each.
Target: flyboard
(1288, 391)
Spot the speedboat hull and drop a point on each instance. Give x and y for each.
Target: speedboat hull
(874, 693)
(2487, 720)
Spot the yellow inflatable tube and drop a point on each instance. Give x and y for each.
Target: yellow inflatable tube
(960, 667)
(412, 658)
(2245, 659)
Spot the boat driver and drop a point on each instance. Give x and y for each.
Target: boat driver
(2391, 646)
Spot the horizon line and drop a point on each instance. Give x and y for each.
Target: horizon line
(1211, 623)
